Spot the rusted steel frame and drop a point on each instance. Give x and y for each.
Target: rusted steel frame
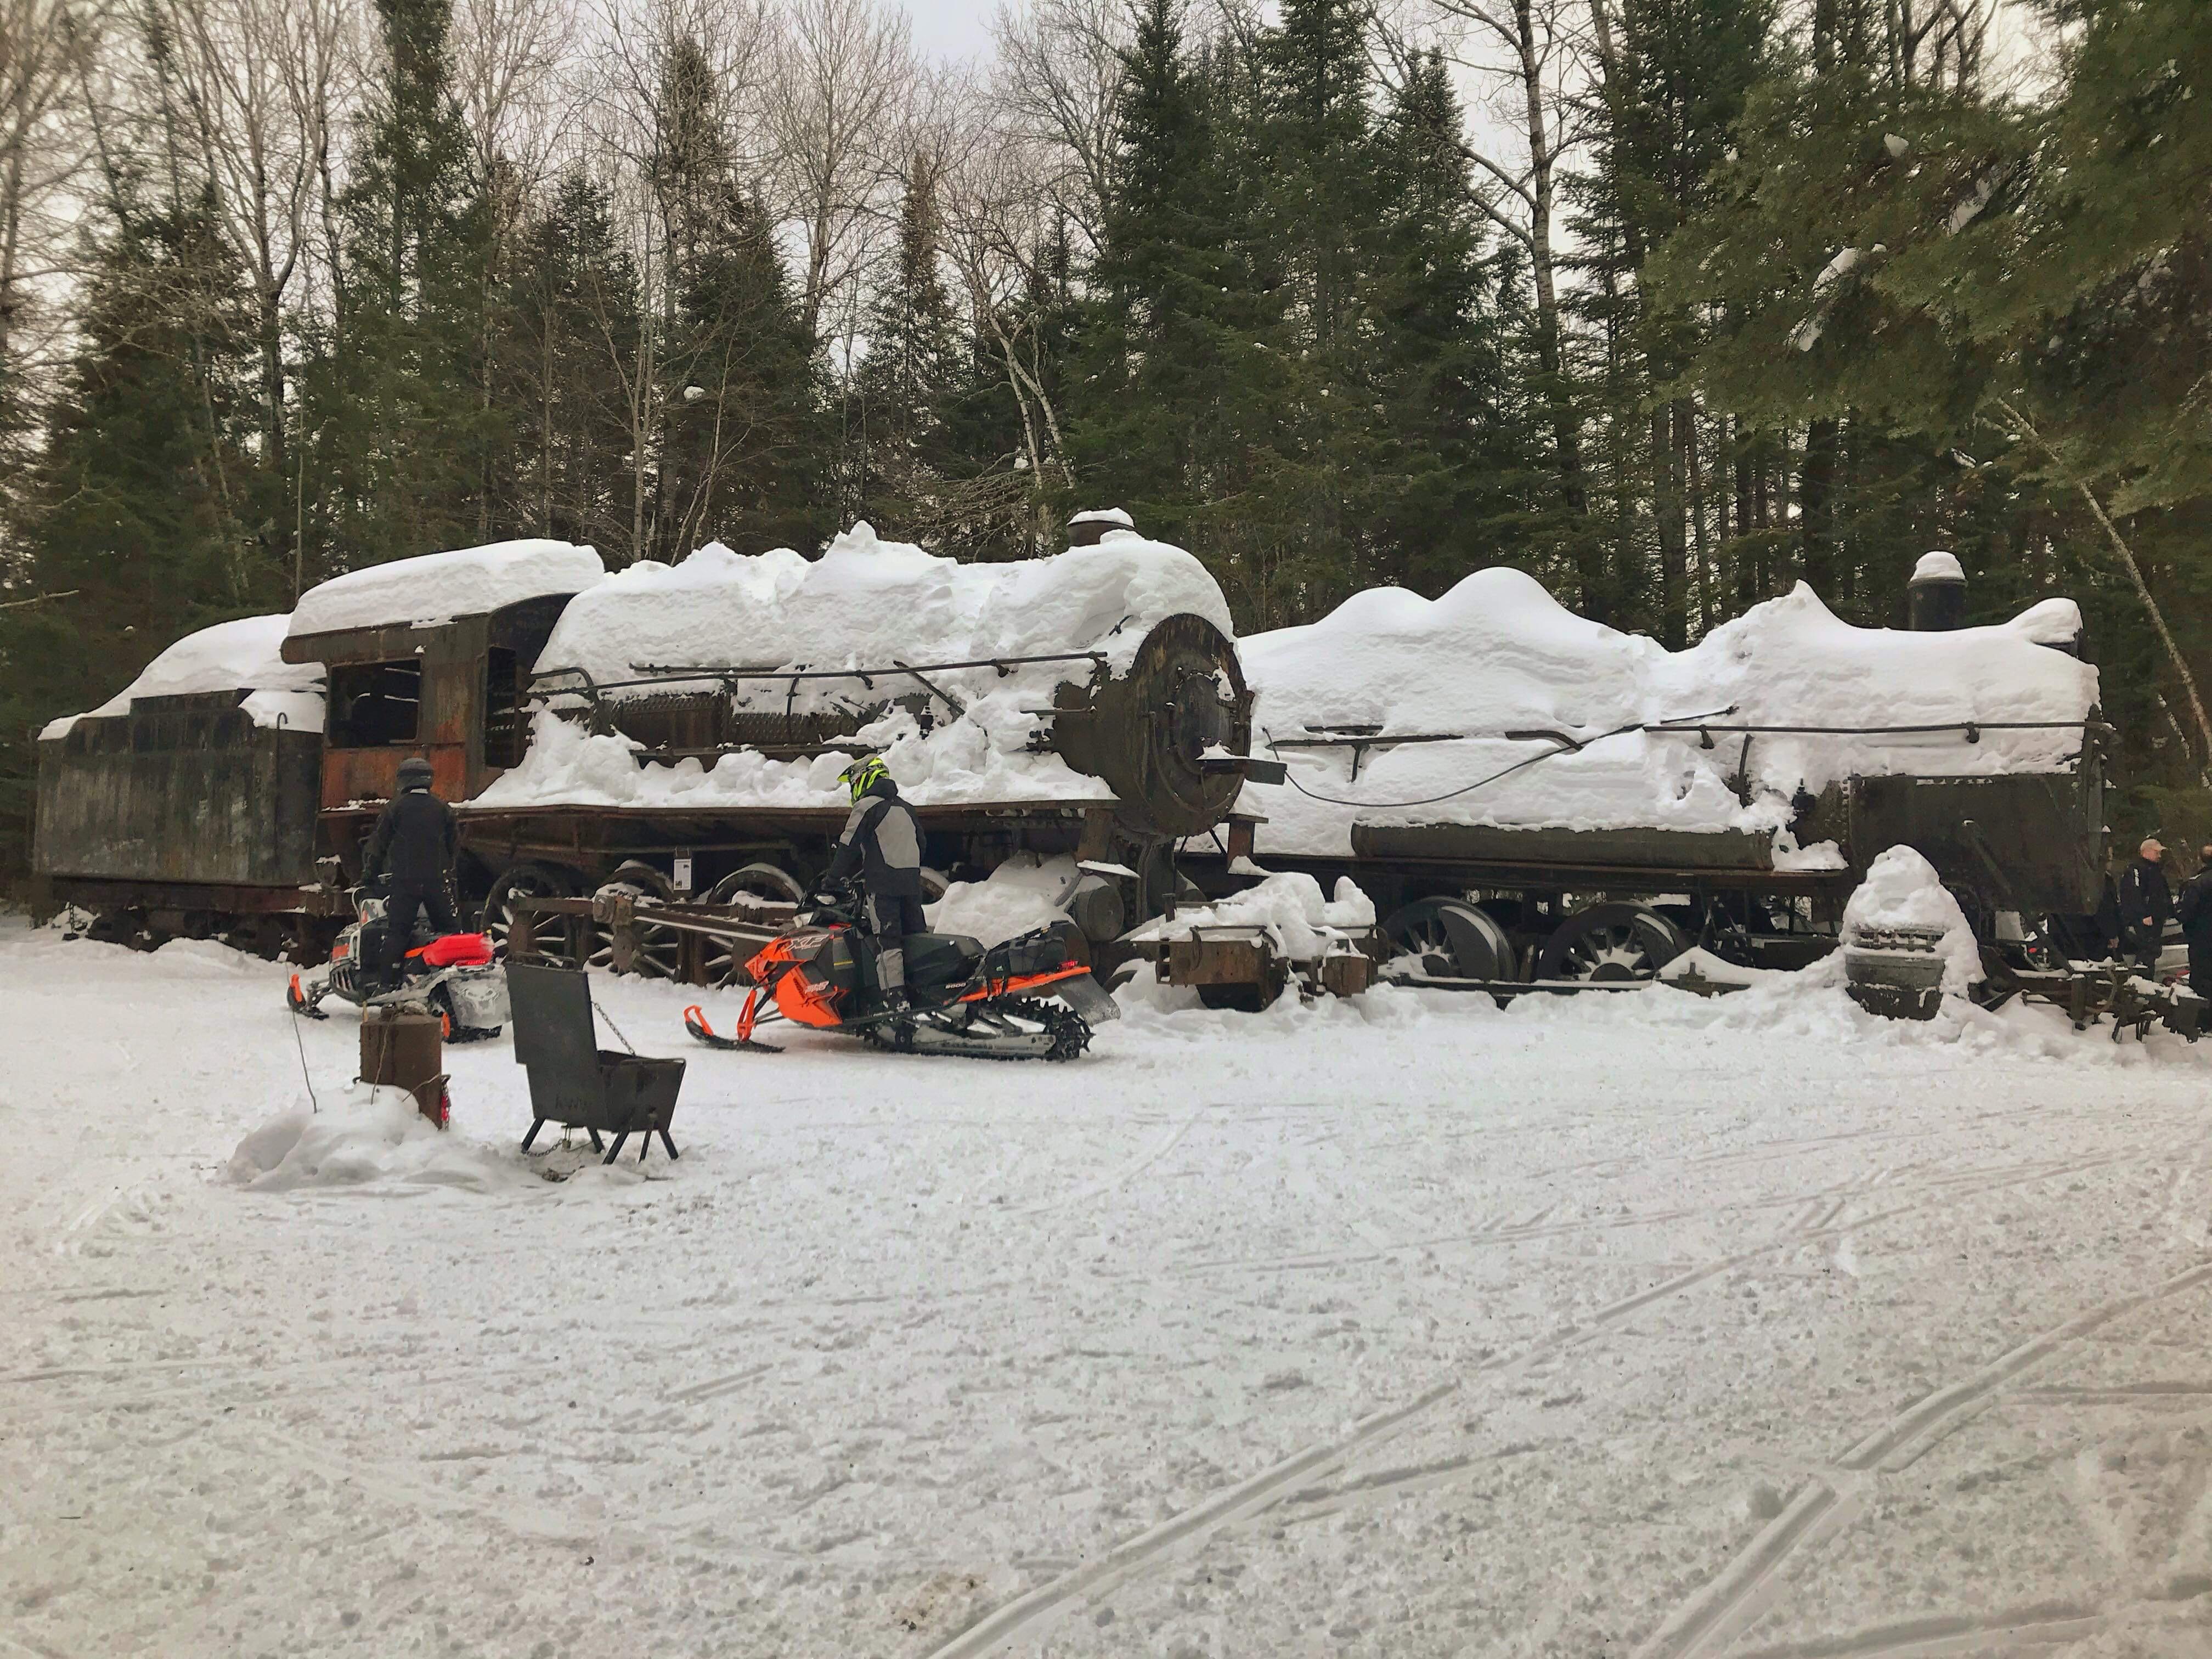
(948, 815)
(225, 899)
(1360, 745)
(1971, 728)
(621, 911)
(1367, 743)
(1577, 877)
(666, 673)
(1515, 987)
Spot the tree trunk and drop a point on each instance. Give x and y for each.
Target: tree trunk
(1686, 426)
(1816, 510)
(1558, 400)
(1666, 512)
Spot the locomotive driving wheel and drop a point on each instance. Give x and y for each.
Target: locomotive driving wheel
(721, 962)
(1449, 938)
(1610, 943)
(529, 880)
(656, 949)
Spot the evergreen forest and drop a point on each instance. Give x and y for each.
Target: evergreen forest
(1672, 303)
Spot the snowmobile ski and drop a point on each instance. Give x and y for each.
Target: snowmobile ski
(695, 1021)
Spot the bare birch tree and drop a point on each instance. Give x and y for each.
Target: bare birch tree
(45, 140)
(842, 70)
(265, 82)
(1058, 83)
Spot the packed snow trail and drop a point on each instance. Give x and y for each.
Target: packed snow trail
(1405, 1327)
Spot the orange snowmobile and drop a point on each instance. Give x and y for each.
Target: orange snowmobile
(963, 998)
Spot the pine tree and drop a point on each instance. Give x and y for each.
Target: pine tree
(1325, 212)
(572, 337)
(408, 443)
(910, 379)
(1175, 404)
(1674, 76)
(133, 506)
(737, 386)
(1454, 458)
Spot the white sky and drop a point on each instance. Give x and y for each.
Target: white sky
(948, 29)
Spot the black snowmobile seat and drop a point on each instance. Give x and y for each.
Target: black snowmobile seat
(940, 958)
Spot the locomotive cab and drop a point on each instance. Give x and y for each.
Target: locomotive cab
(429, 656)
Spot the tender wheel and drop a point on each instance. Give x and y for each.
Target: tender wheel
(718, 963)
(1449, 938)
(656, 955)
(530, 881)
(759, 881)
(1607, 942)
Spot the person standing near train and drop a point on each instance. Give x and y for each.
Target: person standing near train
(416, 839)
(2145, 902)
(2194, 912)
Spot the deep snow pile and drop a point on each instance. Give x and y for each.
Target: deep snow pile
(467, 581)
(1903, 891)
(365, 1135)
(1290, 907)
(1498, 653)
(232, 656)
(866, 604)
(1022, 894)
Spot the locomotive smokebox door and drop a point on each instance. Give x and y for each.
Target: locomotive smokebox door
(1148, 731)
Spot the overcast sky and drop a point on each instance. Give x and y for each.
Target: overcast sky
(953, 28)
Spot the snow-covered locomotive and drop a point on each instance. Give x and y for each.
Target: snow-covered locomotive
(1525, 793)
(1529, 795)
(671, 730)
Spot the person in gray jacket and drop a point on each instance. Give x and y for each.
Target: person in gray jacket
(882, 845)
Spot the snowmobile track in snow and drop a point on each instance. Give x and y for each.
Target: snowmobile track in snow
(1127, 1559)
(1818, 1513)
(1714, 1617)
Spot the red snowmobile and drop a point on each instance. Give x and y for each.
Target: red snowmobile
(963, 998)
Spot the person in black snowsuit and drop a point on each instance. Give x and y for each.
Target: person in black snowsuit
(882, 845)
(2194, 912)
(2107, 913)
(2145, 902)
(414, 840)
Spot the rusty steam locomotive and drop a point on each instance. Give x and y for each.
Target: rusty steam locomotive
(1525, 795)
(673, 732)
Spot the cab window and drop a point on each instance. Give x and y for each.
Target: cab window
(376, 703)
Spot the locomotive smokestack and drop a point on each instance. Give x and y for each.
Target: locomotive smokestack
(1935, 599)
(1089, 528)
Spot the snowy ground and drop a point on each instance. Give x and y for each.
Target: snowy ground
(1630, 1326)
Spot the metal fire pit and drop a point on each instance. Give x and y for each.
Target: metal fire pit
(575, 1082)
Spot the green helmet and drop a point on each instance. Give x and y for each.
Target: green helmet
(861, 776)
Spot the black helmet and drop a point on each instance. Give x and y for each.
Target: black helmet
(414, 773)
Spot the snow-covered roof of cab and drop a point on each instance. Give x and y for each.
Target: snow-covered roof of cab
(1497, 655)
(438, 587)
(241, 656)
(868, 602)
